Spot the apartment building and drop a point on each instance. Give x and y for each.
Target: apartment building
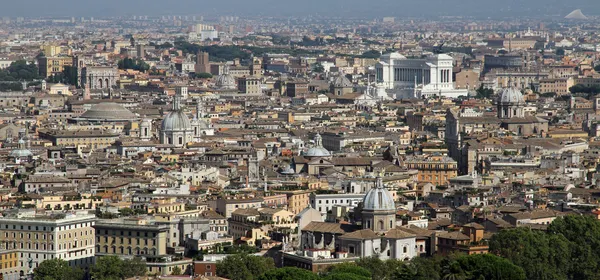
(139, 237)
(67, 236)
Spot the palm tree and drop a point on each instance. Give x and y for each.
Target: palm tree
(453, 272)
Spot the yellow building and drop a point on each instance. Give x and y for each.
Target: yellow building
(139, 237)
(51, 50)
(9, 265)
(62, 202)
(50, 66)
(560, 86)
(95, 139)
(433, 169)
(297, 200)
(130, 237)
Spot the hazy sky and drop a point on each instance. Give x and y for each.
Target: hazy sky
(359, 8)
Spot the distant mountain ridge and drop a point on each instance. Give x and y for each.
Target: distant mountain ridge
(577, 14)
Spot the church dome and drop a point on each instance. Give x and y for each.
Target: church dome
(226, 80)
(21, 151)
(176, 121)
(342, 82)
(108, 111)
(510, 95)
(202, 124)
(317, 150)
(379, 198)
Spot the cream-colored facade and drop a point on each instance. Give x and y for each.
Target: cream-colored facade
(297, 200)
(433, 169)
(93, 138)
(41, 238)
(131, 237)
(50, 66)
(560, 86)
(139, 237)
(62, 202)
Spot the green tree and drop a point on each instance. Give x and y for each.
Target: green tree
(57, 269)
(542, 256)
(203, 75)
(347, 271)
(134, 267)
(244, 267)
(318, 68)
(453, 272)
(126, 211)
(490, 267)
(373, 54)
(548, 94)
(137, 64)
(560, 51)
(20, 70)
(288, 273)
(69, 75)
(484, 92)
(427, 268)
(108, 268)
(583, 235)
(176, 271)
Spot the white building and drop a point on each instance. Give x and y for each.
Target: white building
(324, 202)
(417, 78)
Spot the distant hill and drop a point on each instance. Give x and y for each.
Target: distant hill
(577, 14)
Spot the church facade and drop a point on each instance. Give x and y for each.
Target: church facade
(377, 236)
(510, 117)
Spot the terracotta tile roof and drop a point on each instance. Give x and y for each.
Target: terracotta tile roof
(329, 227)
(361, 234)
(454, 235)
(398, 233)
(474, 225)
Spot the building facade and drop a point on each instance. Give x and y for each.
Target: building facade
(417, 78)
(69, 237)
(99, 77)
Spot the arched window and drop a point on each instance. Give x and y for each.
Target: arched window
(405, 249)
(381, 225)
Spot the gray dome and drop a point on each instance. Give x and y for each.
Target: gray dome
(379, 198)
(108, 111)
(21, 151)
(201, 123)
(317, 150)
(176, 121)
(342, 82)
(288, 170)
(510, 95)
(225, 81)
